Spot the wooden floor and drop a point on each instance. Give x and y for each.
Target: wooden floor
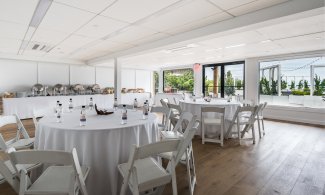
(290, 159)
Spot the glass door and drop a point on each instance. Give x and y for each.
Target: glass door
(224, 79)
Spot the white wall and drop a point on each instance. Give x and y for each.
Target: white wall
(132, 79)
(19, 75)
(53, 73)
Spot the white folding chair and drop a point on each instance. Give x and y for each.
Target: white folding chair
(69, 178)
(39, 113)
(257, 118)
(176, 100)
(246, 102)
(164, 102)
(217, 120)
(184, 120)
(17, 142)
(244, 116)
(260, 117)
(8, 173)
(143, 173)
(176, 111)
(186, 149)
(166, 112)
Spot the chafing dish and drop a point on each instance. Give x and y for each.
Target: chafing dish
(59, 89)
(94, 88)
(37, 89)
(78, 88)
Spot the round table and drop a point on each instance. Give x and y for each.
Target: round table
(102, 144)
(195, 108)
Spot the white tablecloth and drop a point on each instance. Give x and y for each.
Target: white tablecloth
(24, 106)
(102, 144)
(195, 108)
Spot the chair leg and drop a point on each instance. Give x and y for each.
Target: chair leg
(259, 128)
(193, 165)
(189, 166)
(253, 133)
(221, 134)
(174, 183)
(263, 126)
(203, 133)
(238, 131)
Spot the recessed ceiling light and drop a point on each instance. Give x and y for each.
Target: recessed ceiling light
(192, 45)
(233, 46)
(318, 38)
(40, 11)
(212, 50)
(266, 41)
(186, 54)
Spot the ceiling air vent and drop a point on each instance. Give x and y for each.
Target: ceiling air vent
(36, 46)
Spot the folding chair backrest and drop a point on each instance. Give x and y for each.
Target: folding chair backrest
(6, 175)
(164, 102)
(176, 107)
(183, 122)
(176, 100)
(248, 111)
(40, 156)
(12, 119)
(39, 113)
(157, 148)
(187, 139)
(166, 114)
(247, 102)
(7, 120)
(80, 177)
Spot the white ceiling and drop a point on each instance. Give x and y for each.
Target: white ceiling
(85, 29)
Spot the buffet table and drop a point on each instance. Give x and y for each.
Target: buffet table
(195, 108)
(24, 106)
(102, 144)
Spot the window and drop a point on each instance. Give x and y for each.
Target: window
(224, 79)
(293, 82)
(179, 80)
(156, 81)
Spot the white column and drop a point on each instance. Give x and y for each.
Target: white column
(161, 81)
(311, 80)
(117, 80)
(197, 71)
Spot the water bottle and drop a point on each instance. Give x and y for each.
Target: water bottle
(59, 114)
(56, 107)
(70, 105)
(124, 115)
(135, 104)
(91, 104)
(115, 104)
(145, 110)
(83, 116)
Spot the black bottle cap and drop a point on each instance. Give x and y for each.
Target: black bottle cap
(83, 106)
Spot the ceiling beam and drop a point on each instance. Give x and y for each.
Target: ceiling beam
(286, 11)
(41, 59)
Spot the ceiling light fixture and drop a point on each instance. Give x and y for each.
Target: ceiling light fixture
(233, 46)
(265, 41)
(39, 13)
(212, 50)
(318, 38)
(180, 48)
